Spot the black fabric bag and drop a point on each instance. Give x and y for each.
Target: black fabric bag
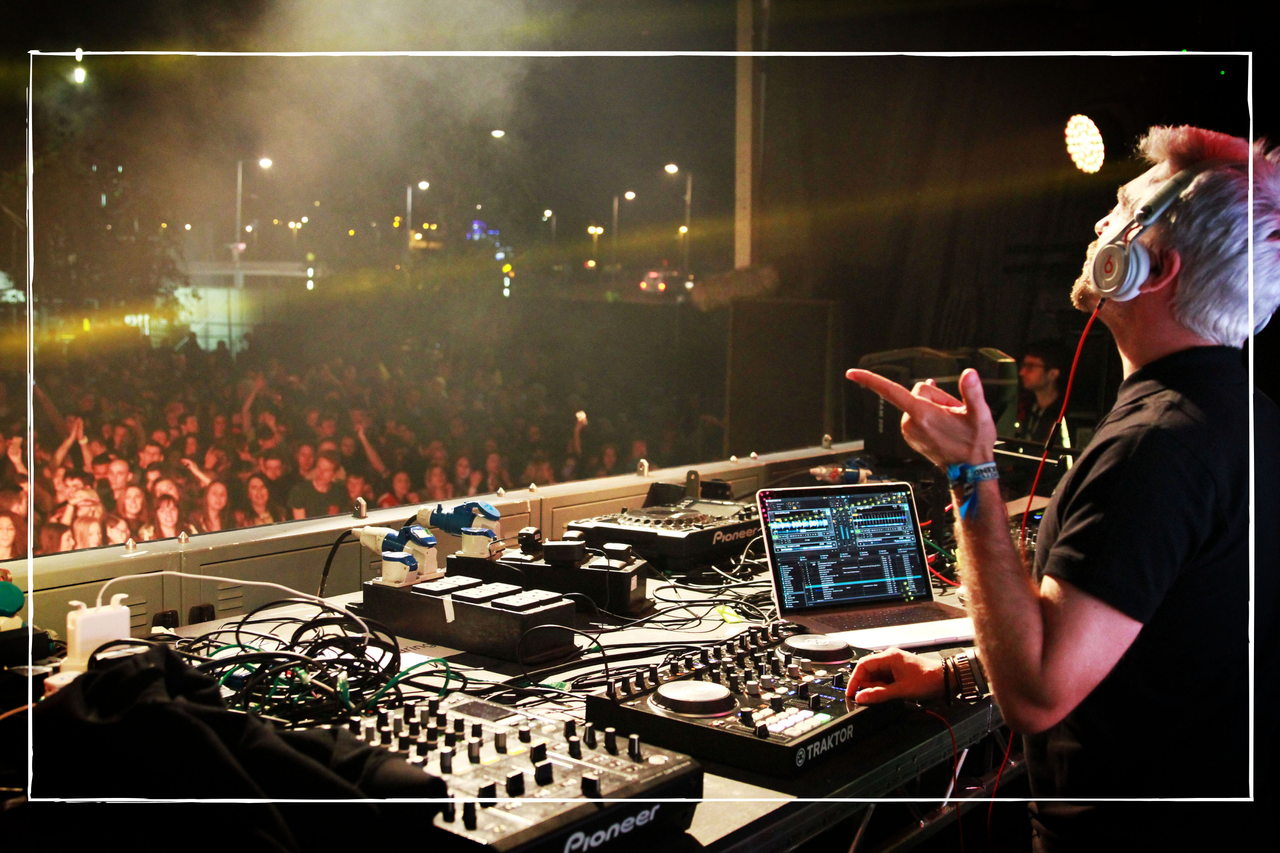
(149, 726)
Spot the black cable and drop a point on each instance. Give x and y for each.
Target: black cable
(330, 675)
(577, 652)
(140, 643)
(328, 562)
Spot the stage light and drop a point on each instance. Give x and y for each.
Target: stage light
(1084, 144)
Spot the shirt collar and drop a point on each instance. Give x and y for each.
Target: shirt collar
(1182, 370)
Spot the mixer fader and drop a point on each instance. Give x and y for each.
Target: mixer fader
(519, 780)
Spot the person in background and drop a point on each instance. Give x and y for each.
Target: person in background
(135, 508)
(116, 529)
(88, 532)
(357, 486)
(399, 495)
(475, 483)
(438, 486)
(119, 475)
(55, 538)
(214, 512)
(1040, 401)
(13, 536)
(461, 474)
(279, 482)
(261, 508)
(318, 496)
(167, 524)
(496, 475)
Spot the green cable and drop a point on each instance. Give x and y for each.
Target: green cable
(943, 551)
(448, 675)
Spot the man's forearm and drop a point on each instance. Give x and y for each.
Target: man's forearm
(1005, 605)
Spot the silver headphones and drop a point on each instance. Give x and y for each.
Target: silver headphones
(1122, 265)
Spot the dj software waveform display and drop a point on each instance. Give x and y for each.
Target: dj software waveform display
(840, 548)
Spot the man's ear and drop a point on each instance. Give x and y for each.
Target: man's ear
(1053, 373)
(1165, 266)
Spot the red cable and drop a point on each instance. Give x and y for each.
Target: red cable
(955, 772)
(1022, 533)
(996, 787)
(940, 577)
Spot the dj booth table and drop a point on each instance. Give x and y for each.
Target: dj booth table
(908, 759)
(748, 811)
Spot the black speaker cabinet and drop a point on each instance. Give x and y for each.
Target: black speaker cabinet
(784, 385)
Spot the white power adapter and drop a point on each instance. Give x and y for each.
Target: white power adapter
(90, 627)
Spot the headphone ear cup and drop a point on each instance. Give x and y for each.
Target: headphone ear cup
(1119, 270)
(1139, 269)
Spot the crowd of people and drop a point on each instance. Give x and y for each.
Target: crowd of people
(146, 443)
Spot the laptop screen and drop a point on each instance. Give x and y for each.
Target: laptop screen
(841, 546)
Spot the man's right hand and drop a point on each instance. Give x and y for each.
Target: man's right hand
(941, 428)
(895, 674)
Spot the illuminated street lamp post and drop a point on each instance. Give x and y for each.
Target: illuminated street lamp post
(671, 169)
(238, 246)
(550, 214)
(408, 207)
(595, 231)
(629, 196)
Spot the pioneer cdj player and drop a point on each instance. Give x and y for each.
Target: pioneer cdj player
(673, 536)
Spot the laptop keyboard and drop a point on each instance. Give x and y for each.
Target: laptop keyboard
(891, 616)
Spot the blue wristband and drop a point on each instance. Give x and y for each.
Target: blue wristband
(965, 478)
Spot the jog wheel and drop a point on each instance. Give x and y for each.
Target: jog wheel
(818, 648)
(694, 699)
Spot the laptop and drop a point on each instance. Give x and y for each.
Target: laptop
(849, 561)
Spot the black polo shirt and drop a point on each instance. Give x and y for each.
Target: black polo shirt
(1154, 520)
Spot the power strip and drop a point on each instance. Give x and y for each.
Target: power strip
(470, 615)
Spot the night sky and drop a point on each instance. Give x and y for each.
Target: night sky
(353, 132)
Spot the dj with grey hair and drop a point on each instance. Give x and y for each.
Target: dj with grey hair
(1123, 653)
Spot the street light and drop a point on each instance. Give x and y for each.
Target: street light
(237, 247)
(613, 239)
(595, 231)
(550, 214)
(408, 207)
(671, 169)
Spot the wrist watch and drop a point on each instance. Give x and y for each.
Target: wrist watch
(969, 691)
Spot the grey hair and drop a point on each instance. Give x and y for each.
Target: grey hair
(1208, 226)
